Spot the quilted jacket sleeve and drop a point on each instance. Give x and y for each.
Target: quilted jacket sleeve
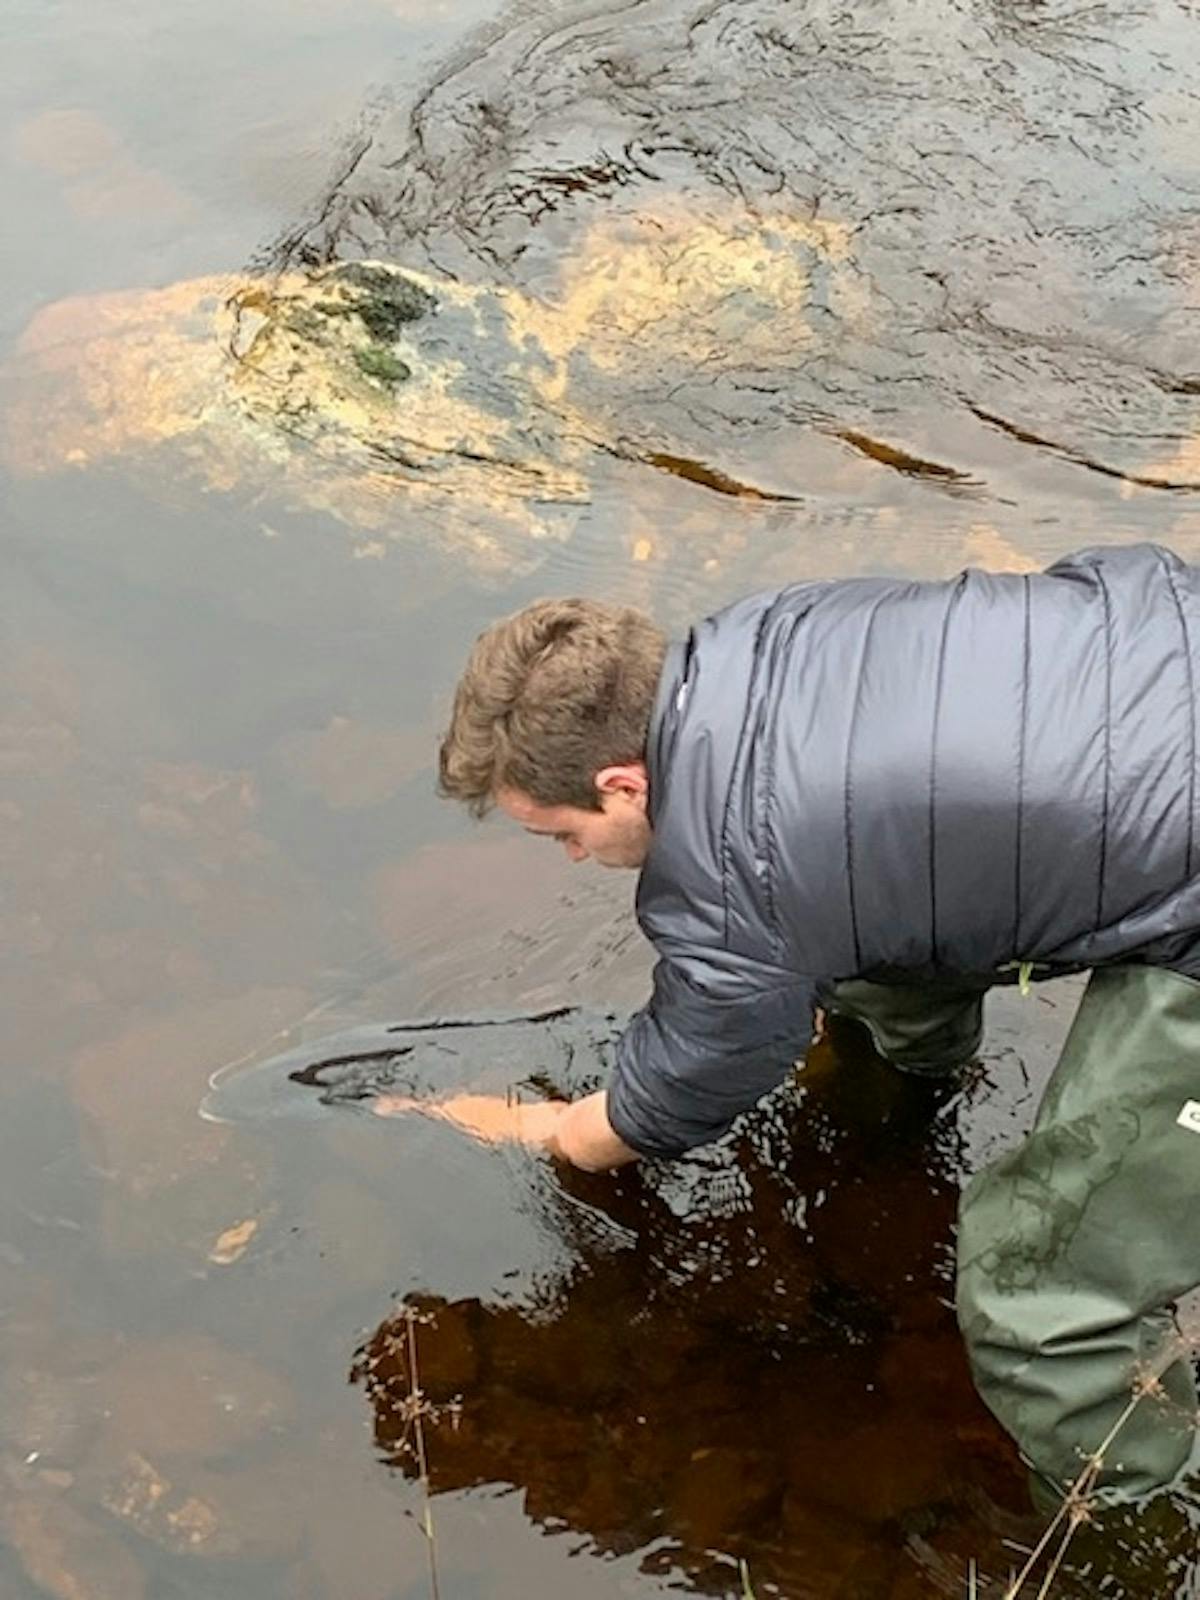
(713, 1039)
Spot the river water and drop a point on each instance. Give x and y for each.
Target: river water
(752, 291)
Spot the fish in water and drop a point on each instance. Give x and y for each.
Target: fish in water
(487, 1075)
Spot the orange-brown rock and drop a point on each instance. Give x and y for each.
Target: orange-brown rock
(255, 1513)
(189, 1397)
(64, 1553)
(352, 764)
(138, 1095)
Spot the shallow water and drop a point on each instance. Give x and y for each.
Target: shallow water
(829, 290)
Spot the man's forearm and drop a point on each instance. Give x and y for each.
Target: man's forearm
(584, 1136)
(578, 1132)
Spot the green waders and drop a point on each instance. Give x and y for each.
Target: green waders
(924, 1030)
(1072, 1248)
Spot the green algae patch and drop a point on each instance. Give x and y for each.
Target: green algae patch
(382, 365)
(385, 300)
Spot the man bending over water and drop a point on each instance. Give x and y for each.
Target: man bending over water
(882, 797)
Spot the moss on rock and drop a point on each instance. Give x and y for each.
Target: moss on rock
(381, 365)
(385, 298)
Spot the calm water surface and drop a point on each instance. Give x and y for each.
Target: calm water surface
(761, 291)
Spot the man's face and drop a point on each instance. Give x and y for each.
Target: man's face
(618, 835)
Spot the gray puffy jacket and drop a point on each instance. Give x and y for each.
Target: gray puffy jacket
(880, 778)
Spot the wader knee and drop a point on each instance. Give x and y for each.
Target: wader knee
(1072, 1247)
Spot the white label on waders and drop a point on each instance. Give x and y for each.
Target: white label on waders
(1189, 1117)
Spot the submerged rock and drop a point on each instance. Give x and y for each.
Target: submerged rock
(188, 1397)
(169, 1175)
(64, 1553)
(194, 1511)
(46, 1418)
(478, 414)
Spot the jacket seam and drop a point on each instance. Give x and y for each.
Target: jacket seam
(1022, 737)
(933, 742)
(1191, 700)
(769, 805)
(1108, 674)
(848, 789)
(736, 771)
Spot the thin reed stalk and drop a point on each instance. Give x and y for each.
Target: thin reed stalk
(1075, 1508)
(416, 1410)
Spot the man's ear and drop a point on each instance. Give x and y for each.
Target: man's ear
(630, 779)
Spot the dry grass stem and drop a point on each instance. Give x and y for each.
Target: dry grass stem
(1076, 1506)
(416, 1411)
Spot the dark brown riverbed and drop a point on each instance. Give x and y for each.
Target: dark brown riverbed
(829, 290)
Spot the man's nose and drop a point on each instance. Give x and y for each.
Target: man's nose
(575, 851)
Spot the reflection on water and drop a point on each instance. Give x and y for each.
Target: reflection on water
(762, 292)
(768, 1370)
(765, 1370)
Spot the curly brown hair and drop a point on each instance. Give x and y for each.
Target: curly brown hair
(549, 696)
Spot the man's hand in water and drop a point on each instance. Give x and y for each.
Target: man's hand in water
(576, 1131)
(487, 1117)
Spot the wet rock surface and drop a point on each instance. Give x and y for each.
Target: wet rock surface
(940, 255)
(1011, 188)
(349, 385)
